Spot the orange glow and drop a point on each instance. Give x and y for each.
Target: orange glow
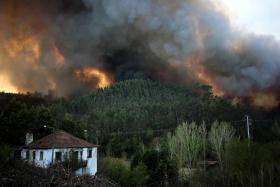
(6, 86)
(59, 58)
(237, 46)
(24, 49)
(199, 73)
(90, 74)
(27, 51)
(265, 100)
(206, 79)
(19, 49)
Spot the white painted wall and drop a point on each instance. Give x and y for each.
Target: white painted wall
(90, 169)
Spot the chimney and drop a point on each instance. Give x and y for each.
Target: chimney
(28, 138)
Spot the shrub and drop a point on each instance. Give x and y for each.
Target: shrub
(5, 152)
(119, 171)
(253, 164)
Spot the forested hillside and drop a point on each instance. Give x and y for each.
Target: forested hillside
(21, 113)
(143, 106)
(137, 105)
(30, 99)
(132, 121)
(140, 104)
(139, 125)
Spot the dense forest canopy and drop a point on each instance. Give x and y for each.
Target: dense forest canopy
(175, 93)
(132, 105)
(140, 123)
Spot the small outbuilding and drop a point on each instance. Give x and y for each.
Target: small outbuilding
(58, 147)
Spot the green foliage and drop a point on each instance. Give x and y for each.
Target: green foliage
(128, 119)
(159, 165)
(115, 169)
(70, 162)
(5, 152)
(219, 136)
(137, 105)
(148, 167)
(70, 125)
(139, 175)
(186, 144)
(122, 146)
(30, 99)
(119, 171)
(17, 119)
(253, 164)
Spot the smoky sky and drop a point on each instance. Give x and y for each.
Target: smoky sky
(170, 41)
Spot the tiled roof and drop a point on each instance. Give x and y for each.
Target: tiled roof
(59, 139)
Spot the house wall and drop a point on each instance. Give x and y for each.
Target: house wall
(90, 169)
(47, 157)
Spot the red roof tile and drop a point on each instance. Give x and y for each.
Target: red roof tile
(59, 139)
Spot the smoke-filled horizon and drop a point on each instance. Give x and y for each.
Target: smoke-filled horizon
(71, 47)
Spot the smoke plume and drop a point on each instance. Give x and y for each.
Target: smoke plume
(58, 45)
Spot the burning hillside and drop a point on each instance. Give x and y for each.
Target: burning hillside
(71, 47)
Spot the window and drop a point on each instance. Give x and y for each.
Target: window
(34, 155)
(58, 156)
(81, 154)
(41, 155)
(75, 155)
(89, 153)
(66, 155)
(27, 155)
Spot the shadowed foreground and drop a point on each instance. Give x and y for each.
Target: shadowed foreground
(16, 172)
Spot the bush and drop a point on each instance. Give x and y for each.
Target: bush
(72, 164)
(20, 173)
(5, 152)
(158, 164)
(253, 164)
(119, 171)
(138, 175)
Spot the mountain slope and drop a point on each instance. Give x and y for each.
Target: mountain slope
(141, 104)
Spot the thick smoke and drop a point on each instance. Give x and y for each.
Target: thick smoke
(178, 41)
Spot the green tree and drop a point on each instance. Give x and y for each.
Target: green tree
(219, 136)
(69, 124)
(139, 175)
(186, 144)
(254, 165)
(119, 171)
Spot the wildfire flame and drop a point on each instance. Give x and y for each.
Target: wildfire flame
(265, 100)
(58, 56)
(89, 75)
(35, 57)
(25, 49)
(6, 86)
(207, 80)
(200, 74)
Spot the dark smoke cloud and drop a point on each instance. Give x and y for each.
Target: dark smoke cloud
(158, 39)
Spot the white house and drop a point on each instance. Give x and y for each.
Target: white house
(59, 146)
